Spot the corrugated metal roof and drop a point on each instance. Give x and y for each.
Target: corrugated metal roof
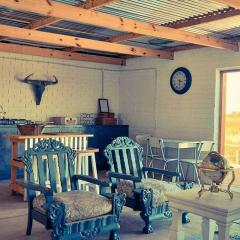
(71, 2)
(152, 11)
(225, 28)
(153, 43)
(21, 16)
(160, 12)
(81, 30)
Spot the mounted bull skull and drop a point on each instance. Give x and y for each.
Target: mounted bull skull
(38, 86)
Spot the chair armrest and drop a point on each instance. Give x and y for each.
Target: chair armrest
(37, 187)
(91, 180)
(123, 176)
(160, 171)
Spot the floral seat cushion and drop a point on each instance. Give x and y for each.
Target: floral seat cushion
(79, 205)
(159, 189)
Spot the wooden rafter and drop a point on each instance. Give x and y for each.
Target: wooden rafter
(183, 47)
(83, 43)
(93, 4)
(230, 3)
(76, 14)
(188, 22)
(50, 53)
(42, 23)
(190, 46)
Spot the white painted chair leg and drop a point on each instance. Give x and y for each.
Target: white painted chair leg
(223, 231)
(207, 229)
(176, 231)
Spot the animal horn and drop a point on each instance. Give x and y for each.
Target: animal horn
(26, 78)
(56, 80)
(51, 82)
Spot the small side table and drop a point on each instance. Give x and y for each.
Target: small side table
(215, 206)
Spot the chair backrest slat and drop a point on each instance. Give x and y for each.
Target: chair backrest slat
(118, 161)
(126, 165)
(41, 167)
(135, 165)
(63, 171)
(52, 171)
(125, 156)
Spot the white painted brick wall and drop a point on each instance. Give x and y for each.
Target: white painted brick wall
(80, 85)
(143, 96)
(137, 97)
(111, 89)
(193, 115)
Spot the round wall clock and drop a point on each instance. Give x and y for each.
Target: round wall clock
(181, 80)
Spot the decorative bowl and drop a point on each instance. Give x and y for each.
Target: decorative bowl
(30, 129)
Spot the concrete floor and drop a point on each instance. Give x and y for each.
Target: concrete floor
(13, 223)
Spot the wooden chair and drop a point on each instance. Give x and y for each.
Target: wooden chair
(61, 206)
(128, 175)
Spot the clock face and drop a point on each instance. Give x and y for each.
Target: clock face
(180, 80)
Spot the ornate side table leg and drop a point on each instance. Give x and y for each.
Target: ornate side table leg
(223, 231)
(207, 229)
(176, 231)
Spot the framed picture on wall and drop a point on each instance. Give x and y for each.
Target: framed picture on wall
(103, 105)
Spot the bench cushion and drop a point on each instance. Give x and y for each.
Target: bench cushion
(79, 205)
(159, 189)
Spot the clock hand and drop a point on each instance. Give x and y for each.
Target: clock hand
(179, 83)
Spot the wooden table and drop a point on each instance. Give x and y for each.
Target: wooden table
(78, 142)
(215, 206)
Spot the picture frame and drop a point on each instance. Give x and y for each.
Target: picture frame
(103, 105)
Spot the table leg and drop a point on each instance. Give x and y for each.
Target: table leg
(176, 231)
(94, 169)
(207, 229)
(178, 163)
(13, 168)
(223, 231)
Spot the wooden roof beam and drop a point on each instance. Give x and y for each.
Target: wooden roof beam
(93, 4)
(76, 14)
(230, 3)
(188, 46)
(188, 22)
(50, 53)
(42, 23)
(83, 43)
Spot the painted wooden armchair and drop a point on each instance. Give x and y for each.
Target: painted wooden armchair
(69, 212)
(127, 174)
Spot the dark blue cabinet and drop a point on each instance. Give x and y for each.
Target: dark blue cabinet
(5, 151)
(103, 135)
